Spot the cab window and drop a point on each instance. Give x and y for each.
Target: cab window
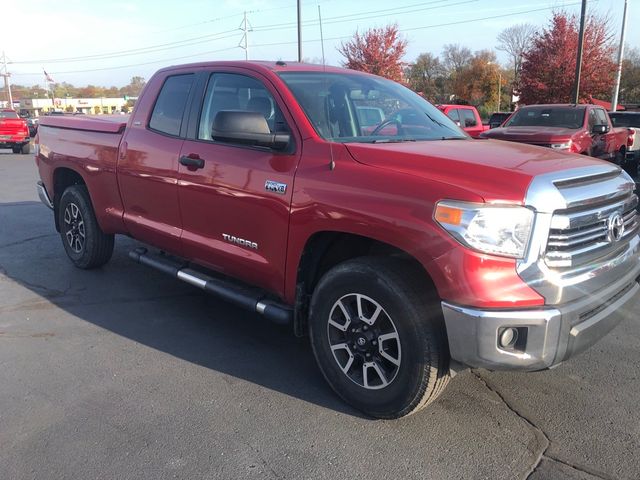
(469, 118)
(228, 91)
(169, 109)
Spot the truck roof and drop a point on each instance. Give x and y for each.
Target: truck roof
(264, 65)
(556, 105)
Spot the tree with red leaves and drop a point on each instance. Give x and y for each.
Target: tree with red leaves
(378, 51)
(548, 70)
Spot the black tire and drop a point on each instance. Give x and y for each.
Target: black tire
(87, 246)
(25, 149)
(421, 349)
(16, 148)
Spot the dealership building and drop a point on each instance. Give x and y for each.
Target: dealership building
(35, 107)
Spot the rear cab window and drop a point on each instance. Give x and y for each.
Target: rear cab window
(168, 112)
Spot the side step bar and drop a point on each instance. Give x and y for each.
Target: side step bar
(248, 298)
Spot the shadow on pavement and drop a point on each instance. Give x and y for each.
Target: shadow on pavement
(155, 310)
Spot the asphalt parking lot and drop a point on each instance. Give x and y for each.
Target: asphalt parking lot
(124, 373)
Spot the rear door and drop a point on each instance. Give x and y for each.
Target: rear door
(235, 205)
(148, 162)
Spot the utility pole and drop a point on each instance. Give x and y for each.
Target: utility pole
(299, 32)
(576, 87)
(499, 87)
(7, 83)
(245, 26)
(616, 88)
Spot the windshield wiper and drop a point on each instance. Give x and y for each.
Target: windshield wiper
(453, 138)
(393, 140)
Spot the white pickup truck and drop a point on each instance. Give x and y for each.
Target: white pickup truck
(631, 120)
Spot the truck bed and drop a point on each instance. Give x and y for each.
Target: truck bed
(104, 124)
(89, 145)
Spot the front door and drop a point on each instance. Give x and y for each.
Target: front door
(235, 199)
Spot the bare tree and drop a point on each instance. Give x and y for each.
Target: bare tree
(456, 57)
(515, 41)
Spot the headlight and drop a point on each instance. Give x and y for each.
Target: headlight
(498, 230)
(562, 146)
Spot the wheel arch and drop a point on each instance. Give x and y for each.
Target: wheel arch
(326, 249)
(63, 178)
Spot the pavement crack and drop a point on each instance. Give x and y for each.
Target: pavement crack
(30, 239)
(580, 468)
(539, 433)
(265, 464)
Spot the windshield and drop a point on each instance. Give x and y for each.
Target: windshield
(563, 117)
(8, 114)
(345, 107)
(625, 120)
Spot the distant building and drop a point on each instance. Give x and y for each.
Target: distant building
(35, 107)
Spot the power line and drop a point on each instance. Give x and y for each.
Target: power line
(134, 51)
(459, 22)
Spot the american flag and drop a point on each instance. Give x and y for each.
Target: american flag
(48, 77)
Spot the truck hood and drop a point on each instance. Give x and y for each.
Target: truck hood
(496, 171)
(531, 134)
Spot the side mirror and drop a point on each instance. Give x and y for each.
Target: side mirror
(457, 122)
(599, 129)
(246, 128)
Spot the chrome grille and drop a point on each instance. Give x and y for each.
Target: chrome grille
(579, 236)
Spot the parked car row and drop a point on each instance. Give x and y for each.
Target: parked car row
(584, 128)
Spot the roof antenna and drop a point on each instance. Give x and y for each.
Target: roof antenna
(332, 163)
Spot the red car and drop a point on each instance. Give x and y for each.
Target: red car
(14, 132)
(346, 206)
(466, 117)
(584, 129)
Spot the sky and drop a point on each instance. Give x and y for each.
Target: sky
(106, 43)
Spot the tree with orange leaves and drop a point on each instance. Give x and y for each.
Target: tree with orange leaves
(378, 51)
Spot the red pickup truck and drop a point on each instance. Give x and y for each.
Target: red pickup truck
(466, 117)
(584, 129)
(404, 250)
(14, 132)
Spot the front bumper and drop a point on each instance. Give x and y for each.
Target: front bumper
(553, 334)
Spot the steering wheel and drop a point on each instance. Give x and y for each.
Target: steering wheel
(386, 123)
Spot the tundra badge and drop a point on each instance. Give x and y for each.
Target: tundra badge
(240, 241)
(275, 187)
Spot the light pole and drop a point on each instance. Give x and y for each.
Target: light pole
(499, 81)
(499, 86)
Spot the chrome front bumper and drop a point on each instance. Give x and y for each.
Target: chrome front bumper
(553, 334)
(44, 196)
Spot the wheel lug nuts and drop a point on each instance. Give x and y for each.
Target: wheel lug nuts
(365, 328)
(374, 342)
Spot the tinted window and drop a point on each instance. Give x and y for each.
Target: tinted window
(563, 117)
(601, 115)
(228, 91)
(496, 119)
(469, 118)
(593, 120)
(453, 115)
(625, 119)
(169, 109)
(8, 114)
